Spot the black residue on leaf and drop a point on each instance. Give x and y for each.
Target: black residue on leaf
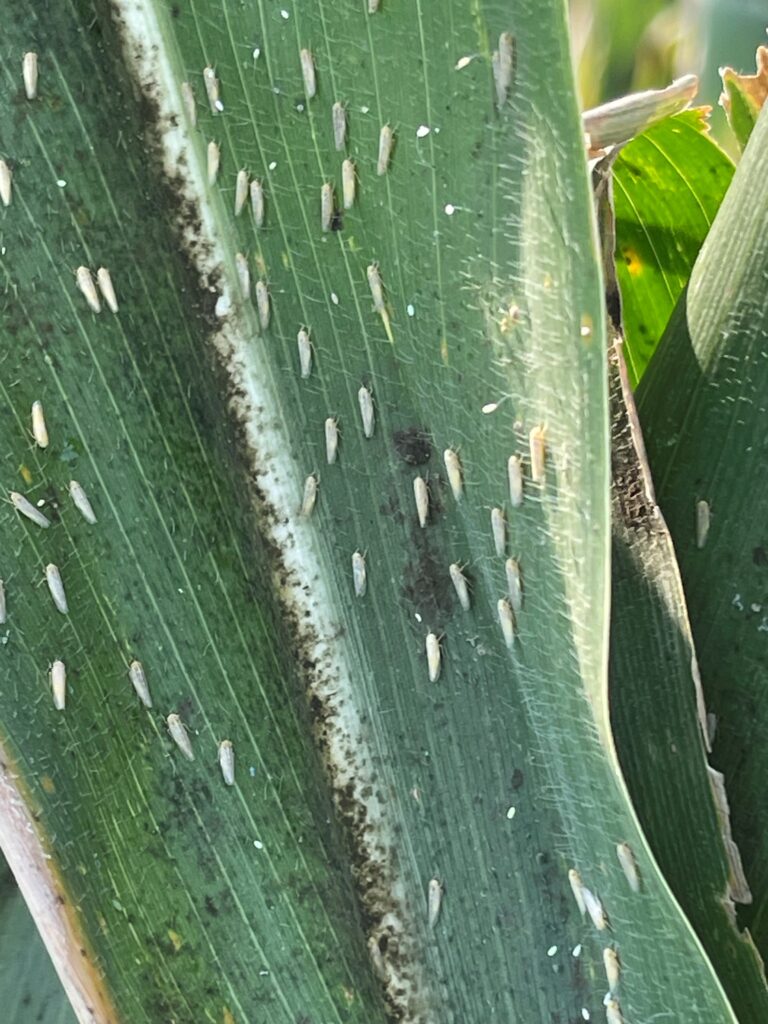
(413, 445)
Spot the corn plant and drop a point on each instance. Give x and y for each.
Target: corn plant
(321, 514)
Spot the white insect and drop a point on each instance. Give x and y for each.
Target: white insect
(702, 523)
(339, 117)
(241, 191)
(373, 6)
(326, 206)
(243, 274)
(262, 304)
(459, 581)
(308, 73)
(628, 865)
(107, 289)
(499, 530)
(377, 290)
(6, 183)
(595, 909)
(348, 183)
(612, 968)
(434, 657)
(421, 496)
(257, 202)
(212, 90)
(577, 888)
(27, 509)
(331, 440)
(29, 74)
(188, 99)
(227, 761)
(180, 736)
(139, 682)
(515, 478)
(386, 141)
(514, 584)
(537, 444)
(214, 160)
(613, 1014)
(310, 496)
(81, 502)
(88, 288)
(365, 399)
(434, 901)
(39, 429)
(59, 685)
(453, 469)
(3, 608)
(503, 67)
(56, 587)
(506, 621)
(305, 353)
(359, 574)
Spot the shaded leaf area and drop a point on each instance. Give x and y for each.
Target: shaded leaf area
(668, 185)
(707, 443)
(659, 718)
(207, 903)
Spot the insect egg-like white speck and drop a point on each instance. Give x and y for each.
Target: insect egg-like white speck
(506, 621)
(595, 909)
(514, 584)
(227, 761)
(339, 117)
(56, 587)
(257, 202)
(537, 444)
(453, 469)
(386, 140)
(243, 274)
(6, 183)
(39, 429)
(213, 160)
(28, 510)
(3, 608)
(628, 865)
(434, 901)
(348, 183)
(305, 353)
(577, 888)
(326, 206)
(612, 968)
(499, 530)
(107, 289)
(459, 581)
(81, 502)
(702, 523)
(310, 496)
(88, 288)
(331, 440)
(180, 736)
(359, 575)
(59, 685)
(139, 682)
(613, 1014)
(421, 496)
(188, 99)
(365, 399)
(29, 74)
(503, 67)
(241, 191)
(515, 478)
(262, 304)
(212, 90)
(433, 657)
(308, 73)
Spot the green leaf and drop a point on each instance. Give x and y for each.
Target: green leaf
(668, 185)
(710, 448)
(28, 983)
(743, 96)
(362, 785)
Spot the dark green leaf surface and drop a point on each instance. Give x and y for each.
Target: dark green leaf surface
(668, 185)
